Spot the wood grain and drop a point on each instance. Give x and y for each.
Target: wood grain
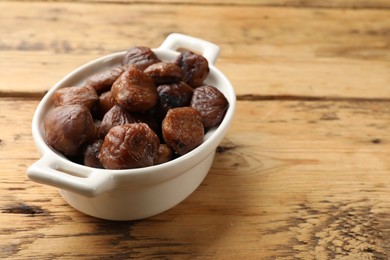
(292, 179)
(43, 41)
(374, 4)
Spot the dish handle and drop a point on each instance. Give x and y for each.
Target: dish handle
(88, 183)
(176, 41)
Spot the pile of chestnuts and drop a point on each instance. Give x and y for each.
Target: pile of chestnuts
(142, 113)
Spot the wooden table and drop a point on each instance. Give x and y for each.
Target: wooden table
(303, 173)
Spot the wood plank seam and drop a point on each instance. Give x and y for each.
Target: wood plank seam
(245, 97)
(307, 98)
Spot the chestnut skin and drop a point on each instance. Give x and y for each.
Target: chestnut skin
(69, 127)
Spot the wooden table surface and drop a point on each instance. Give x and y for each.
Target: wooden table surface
(304, 171)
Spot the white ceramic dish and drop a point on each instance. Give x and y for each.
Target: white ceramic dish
(134, 193)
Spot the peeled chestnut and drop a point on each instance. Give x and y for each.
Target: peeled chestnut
(135, 91)
(80, 95)
(182, 129)
(141, 57)
(105, 103)
(102, 81)
(211, 103)
(195, 68)
(115, 116)
(91, 154)
(164, 154)
(129, 146)
(173, 95)
(68, 127)
(164, 73)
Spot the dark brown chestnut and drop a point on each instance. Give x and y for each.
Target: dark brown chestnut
(68, 127)
(129, 146)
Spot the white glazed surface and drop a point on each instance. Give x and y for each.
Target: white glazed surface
(134, 193)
